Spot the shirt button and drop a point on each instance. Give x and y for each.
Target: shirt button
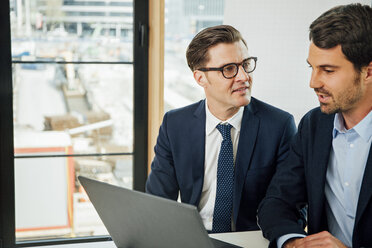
(351, 145)
(346, 184)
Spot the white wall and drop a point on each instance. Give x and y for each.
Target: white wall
(277, 33)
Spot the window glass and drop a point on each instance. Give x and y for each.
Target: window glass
(92, 103)
(183, 20)
(57, 205)
(72, 64)
(72, 30)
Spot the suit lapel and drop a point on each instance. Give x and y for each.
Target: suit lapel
(197, 141)
(247, 141)
(366, 189)
(320, 151)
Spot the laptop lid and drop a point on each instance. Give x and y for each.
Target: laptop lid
(136, 219)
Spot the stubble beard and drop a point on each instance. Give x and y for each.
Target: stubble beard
(346, 100)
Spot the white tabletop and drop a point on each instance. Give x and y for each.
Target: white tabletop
(251, 239)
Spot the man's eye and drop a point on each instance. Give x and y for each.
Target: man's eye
(229, 68)
(328, 71)
(246, 65)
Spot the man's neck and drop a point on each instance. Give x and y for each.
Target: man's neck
(353, 116)
(223, 114)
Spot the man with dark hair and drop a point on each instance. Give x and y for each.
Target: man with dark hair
(220, 153)
(329, 166)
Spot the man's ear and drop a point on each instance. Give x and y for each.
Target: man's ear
(200, 78)
(369, 73)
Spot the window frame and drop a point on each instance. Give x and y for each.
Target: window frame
(140, 125)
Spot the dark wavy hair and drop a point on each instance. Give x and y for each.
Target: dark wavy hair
(349, 26)
(197, 51)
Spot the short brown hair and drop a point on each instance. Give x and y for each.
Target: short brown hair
(197, 51)
(349, 26)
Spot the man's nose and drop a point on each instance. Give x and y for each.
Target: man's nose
(315, 81)
(242, 75)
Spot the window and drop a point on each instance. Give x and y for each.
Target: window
(183, 20)
(76, 91)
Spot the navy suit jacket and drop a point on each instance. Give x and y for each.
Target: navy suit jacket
(301, 180)
(178, 165)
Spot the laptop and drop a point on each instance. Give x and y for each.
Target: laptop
(136, 219)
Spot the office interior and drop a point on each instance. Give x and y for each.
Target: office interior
(84, 86)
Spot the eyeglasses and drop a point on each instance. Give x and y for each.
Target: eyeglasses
(231, 70)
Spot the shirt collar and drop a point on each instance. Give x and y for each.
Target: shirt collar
(212, 121)
(363, 128)
(338, 125)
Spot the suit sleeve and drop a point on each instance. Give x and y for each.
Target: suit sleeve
(280, 211)
(162, 180)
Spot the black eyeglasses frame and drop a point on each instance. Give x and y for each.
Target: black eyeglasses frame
(236, 64)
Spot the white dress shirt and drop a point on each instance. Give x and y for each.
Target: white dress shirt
(213, 139)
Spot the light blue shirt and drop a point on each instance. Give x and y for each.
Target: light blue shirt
(347, 162)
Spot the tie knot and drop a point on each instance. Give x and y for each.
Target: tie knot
(225, 131)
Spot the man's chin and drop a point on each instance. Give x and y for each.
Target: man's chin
(244, 102)
(327, 109)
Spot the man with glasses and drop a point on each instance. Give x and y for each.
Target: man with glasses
(329, 167)
(219, 154)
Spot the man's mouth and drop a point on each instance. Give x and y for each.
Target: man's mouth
(241, 89)
(323, 97)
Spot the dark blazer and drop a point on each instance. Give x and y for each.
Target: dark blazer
(301, 180)
(178, 165)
